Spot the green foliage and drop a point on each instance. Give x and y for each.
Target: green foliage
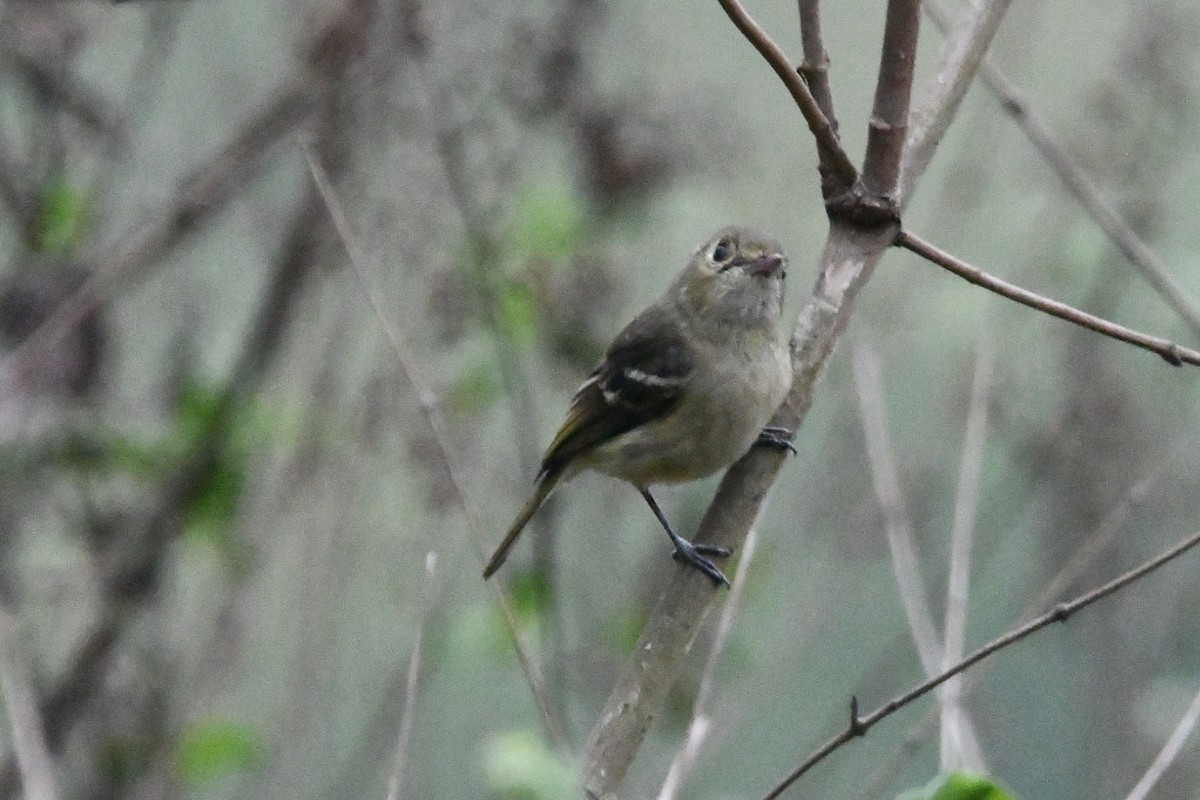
(216, 747)
(63, 217)
(206, 428)
(530, 595)
(958, 786)
(517, 766)
(550, 224)
(124, 758)
(518, 311)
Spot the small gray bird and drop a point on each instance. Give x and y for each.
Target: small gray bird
(684, 390)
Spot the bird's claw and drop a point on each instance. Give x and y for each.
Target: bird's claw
(693, 555)
(777, 437)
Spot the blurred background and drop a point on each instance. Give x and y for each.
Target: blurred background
(226, 521)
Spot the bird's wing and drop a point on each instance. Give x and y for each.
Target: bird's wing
(640, 379)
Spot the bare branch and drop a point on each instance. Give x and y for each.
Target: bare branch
(400, 756)
(905, 564)
(815, 66)
(955, 751)
(849, 258)
(1083, 189)
(822, 129)
(885, 478)
(859, 725)
(889, 115)
(427, 404)
(701, 722)
(956, 67)
(1170, 751)
(815, 71)
(1170, 352)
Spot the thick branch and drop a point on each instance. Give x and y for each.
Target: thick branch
(889, 115)
(859, 725)
(959, 60)
(849, 258)
(1172, 353)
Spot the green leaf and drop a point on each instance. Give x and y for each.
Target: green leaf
(210, 749)
(63, 218)
(517, 765)
(958, 786)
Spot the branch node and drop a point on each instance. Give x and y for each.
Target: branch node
(1061, 612)
(862, 210)
(1172, 354)
(856, 724)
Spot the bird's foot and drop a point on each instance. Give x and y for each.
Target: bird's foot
(777, 437)
(694, 556)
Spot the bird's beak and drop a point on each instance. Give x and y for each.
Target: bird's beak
(766, 265)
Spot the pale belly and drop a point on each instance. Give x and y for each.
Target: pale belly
(704, 434)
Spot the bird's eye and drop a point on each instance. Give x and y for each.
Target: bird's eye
(722, 251)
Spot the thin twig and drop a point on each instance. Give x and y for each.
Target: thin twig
(1170, 751)
(427, 405)
(822, 129)
(1170, 352)
(400, 757)
(1083, 556)
(701, 723)
(859, 725)
(956, 67)
(953, 751)
(888, 125)
(885, 479)
(815, 71)
(815, 66)
(1082, 188)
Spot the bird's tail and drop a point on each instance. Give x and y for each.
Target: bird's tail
(545, 485)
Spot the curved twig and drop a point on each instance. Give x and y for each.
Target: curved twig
(827, 140)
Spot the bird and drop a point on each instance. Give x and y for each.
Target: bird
(685, 389)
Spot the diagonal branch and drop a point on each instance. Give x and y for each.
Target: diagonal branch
(849, 259)
(1169, 752)
(859, 725)
(822, 129)
(1082, 188)
(959, 60)
(815, 71)
(1170, 352)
